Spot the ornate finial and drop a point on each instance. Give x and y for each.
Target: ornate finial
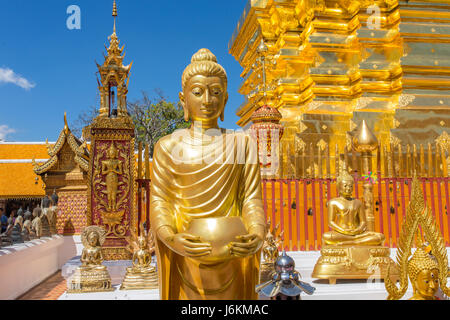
(364, 140)
(66, 126)
(262, 49)
(114, 14)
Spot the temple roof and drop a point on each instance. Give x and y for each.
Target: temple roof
(66, 136)
(18, 181)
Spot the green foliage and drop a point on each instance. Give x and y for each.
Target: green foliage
(155, 118)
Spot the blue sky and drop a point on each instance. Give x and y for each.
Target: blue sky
(46, 69)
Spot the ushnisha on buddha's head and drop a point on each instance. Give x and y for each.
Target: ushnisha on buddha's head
(204, 95)
(345, 184)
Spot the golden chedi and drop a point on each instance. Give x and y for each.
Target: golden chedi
(350, 251)
(91, 276)
(206, 207)
(427, 272)
(141, 275)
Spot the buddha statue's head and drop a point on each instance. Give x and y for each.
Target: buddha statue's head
(423, 272)
(93, 239)
(345, 184)
(112, 151)
(142, 242)
(204, 89)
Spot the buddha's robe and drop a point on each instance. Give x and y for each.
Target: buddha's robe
(193, 179)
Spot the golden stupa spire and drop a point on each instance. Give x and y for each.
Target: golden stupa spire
(114, 14)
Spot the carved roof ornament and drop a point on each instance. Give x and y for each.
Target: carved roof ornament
(78, 147)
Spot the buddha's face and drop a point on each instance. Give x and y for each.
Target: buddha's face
(346, 188)
(142, 243)
(427, 283)
(204, 98)
(93, 239)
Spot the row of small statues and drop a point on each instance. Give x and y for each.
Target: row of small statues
(282, 281)
(28, 226)
(93, 276)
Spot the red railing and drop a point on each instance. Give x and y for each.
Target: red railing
(299, 207)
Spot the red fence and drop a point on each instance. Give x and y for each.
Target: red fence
(299, 206)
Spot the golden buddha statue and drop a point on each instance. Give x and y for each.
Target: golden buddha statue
(91, 276)
(350, 251)
(112, 168)
(347, 220)
(142, 275)
(206, 207)
(271, 244)
(426, 272)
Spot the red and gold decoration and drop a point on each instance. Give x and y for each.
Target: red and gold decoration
(266, 127)
(111, 166)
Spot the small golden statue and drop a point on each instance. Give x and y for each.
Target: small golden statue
(270, 251)
(426, 272)
(112, 168)
(142, 275)
(350, 251)
(91, 276)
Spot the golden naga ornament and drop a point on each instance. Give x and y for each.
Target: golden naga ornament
(350, 251)
(206, 204)
(426, 272)
(91, 276)
(270, 248)
(142, 275)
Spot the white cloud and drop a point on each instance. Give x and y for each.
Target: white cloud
(4, 131)
(9, 76)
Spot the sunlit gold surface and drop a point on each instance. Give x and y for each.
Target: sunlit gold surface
(350, 251)
(142, 275)
(336, 62)
(427, 271)
(91, 276)
(182, 192)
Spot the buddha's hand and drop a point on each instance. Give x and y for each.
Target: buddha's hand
(246, 245)
(189, 245)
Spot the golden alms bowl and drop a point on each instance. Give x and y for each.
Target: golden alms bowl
(219, 232)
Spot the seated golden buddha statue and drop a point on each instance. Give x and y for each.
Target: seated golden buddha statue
(206, 207)
(347, 220)
(141, 275)
(91, 276)
(350, 251)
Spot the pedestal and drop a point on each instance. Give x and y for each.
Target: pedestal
(90, 280)
(348, 262)
(138, 280)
